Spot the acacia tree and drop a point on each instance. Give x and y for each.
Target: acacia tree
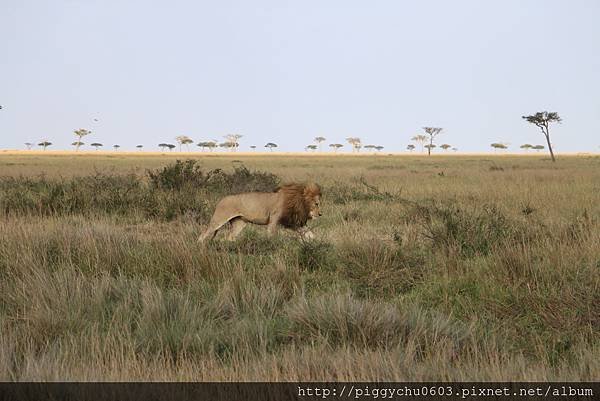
(96, 145)
(271, 145)
(379, 148)
(526, 146)
(542, 120)
(229, 145)
(80, 133)
(310, 147)
(410, 147)
(369, 146)
(445, 146)
(538, 147)
(432, 132)
(162, 146)
(420, 139)
(320, 139)
(116, 147)
(170, 146)
(355, 142)
(335, 146)
(232, 139)
(430, 146)
(497, 146)
(77, 144)
(139, 147)
(44, 144)
(184, 140)
(253, 147)
(29, 145)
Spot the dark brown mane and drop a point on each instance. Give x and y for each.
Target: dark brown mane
(296, 207)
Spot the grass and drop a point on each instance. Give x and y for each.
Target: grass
(441, 268)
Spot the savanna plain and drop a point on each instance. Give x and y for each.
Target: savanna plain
(423, 268)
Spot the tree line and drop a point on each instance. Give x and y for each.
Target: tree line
(426, 140)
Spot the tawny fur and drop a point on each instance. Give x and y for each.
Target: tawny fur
(291, 206)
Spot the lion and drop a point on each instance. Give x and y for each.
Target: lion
(290, 206)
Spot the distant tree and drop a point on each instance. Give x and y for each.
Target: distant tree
(253, 147)
(420, 139)
(116, 147)
(232, 139)
(335, 146)
(80, 133)
(410, 147)
(497, 146)
(445, 146)
(369, 147)
(77, 144)
(455, 149)
(311, 147)
(139, 147)
(29, 145)
(162, 146)
(430, 146)
(538, 147)
(432, 132)
(44, 144)
(271, 145)
(229, 145)
(320, 139)
(379, 148)
(170, 146)
(96, 145)
(355, 142)
(184, 140)
(208, 144)
(526, 146)
(542, 120)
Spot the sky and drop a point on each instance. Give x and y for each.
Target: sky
(288, 71)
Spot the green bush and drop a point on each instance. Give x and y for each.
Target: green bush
(188, 174)
(470, 232)
(178, 189)
(315, 254)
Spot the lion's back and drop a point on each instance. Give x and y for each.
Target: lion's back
(252, 206)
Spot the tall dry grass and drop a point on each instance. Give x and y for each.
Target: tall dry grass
(478, 273)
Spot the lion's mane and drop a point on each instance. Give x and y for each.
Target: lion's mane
(296, 203)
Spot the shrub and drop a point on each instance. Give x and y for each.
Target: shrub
(375, 267)
(178, 189)
(177, 175)
(342, 193)
(315, 254)
(185, 174)
(470, 232)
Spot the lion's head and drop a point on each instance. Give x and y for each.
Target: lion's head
(301, 203)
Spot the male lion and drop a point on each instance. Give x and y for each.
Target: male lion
(291, 206)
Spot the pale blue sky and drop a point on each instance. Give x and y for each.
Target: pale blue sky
(287, 71)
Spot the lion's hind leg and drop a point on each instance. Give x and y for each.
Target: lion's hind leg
(237, 225)
(216, 223)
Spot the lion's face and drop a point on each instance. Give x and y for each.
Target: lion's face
(315, 207)
(313, 200)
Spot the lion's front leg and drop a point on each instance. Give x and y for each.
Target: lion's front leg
(272, 228)
(273, 223)
(305, 233)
